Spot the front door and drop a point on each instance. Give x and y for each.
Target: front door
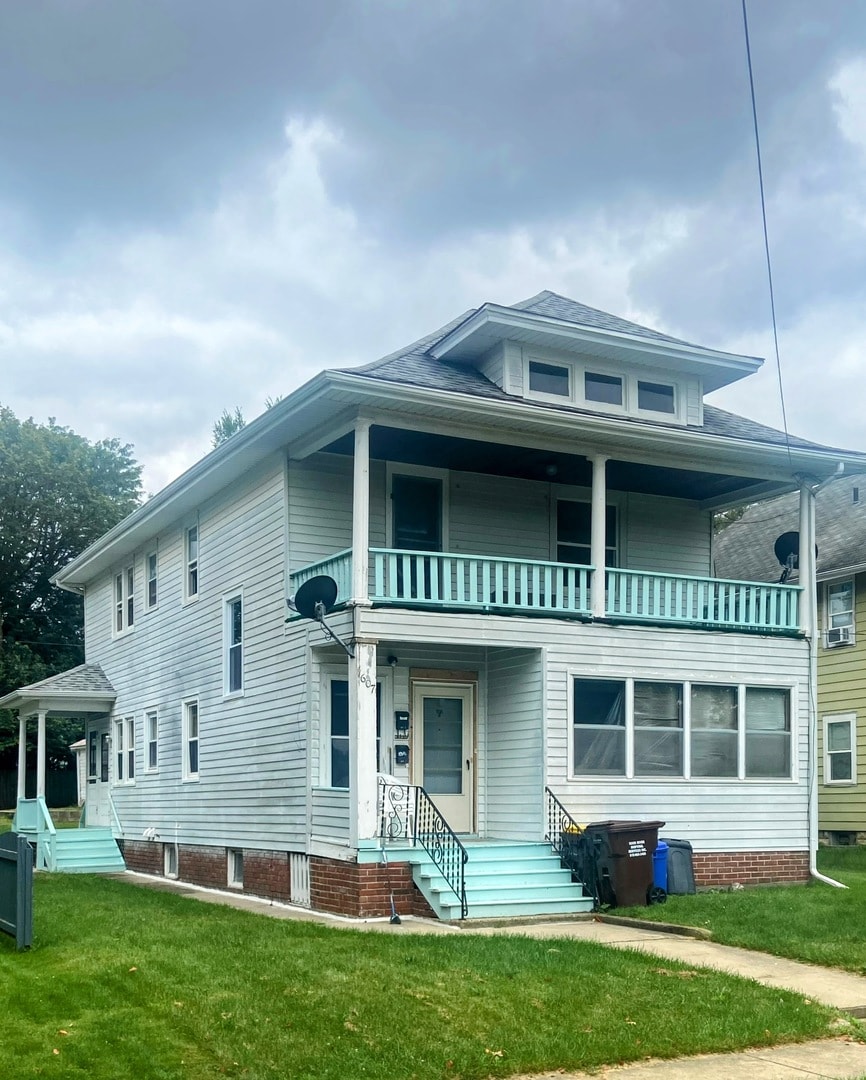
(444, 749)
(98, 811)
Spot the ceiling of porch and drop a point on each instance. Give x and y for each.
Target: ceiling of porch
(529, 463)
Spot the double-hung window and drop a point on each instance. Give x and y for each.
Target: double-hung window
(840, 744)
(234, 645)
(599, 727)
(151, 740)
(337, 754)
(124, 600)
(151, 584)
(840, 613)
(768, 732)
(658, 729)
(574, 533)
(191, 577)
(124, 750)
(190, 740)
(714, 730)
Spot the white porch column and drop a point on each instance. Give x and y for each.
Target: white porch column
(40, 756)
(363, 781)
(806, 561)
(22, 756)
(361, 514)
(597, 534)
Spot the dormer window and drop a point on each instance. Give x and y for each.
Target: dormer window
(655, 397)
(552, 379)
(606, 389)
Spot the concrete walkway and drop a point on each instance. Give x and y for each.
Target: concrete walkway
(842, 1059)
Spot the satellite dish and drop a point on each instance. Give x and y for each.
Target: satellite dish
(321, 590)
(314, 600)
(786, 550)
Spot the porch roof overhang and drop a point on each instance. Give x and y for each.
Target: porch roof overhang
(324, 409)
(84, 689)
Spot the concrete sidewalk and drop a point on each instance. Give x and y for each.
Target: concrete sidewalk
(835, 1059)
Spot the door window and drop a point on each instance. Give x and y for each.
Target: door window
(443, 745)
(417, 513)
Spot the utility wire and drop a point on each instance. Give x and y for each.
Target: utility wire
(766, 236)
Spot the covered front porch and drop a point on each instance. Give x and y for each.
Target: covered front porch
(81, 691)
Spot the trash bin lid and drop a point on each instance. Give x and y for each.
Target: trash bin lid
(625, 826)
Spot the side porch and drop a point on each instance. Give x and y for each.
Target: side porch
(79, 692)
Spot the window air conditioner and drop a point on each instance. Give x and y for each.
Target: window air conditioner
(839, 635)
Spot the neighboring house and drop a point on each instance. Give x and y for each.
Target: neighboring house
(745, 549)
(517, 515)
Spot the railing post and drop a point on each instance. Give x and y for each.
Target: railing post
(598, 534)
(361, 514)
(40, 756)
(22, 756)
(363, 785)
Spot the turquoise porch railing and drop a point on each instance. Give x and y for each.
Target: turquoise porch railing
(33, 820)
(739, 605)
(479, 582)
(491, 584)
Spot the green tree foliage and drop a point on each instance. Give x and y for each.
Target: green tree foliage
(228, 424)
(58, 493)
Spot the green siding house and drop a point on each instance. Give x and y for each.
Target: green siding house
(746, 549)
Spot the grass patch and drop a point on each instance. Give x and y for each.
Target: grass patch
(814, 923)
(128, 982)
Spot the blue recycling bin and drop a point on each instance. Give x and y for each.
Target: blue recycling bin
(660, 866)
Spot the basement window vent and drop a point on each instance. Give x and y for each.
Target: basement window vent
(169, 857)
(235, 868)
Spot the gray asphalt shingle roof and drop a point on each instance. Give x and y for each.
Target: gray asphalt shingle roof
(745, 549)
(414, 366)
(84, 679)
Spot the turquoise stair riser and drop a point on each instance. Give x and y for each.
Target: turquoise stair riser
(87, 851)
(503, 879)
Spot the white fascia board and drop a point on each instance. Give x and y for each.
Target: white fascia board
(28, 702)
(717, 452)
(842, 573)
(698, 360)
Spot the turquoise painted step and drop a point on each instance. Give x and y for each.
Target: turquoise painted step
(503, 879)
(87, 851)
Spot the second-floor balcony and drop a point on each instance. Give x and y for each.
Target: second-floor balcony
(500, 585)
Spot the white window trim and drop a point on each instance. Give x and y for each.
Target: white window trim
(123, 734)
(850, 626)
(186, 774)
(227, 601)
(792, 689)
(148, 713)
(233, 880)
(122, 602)
(836, 718)
(630, 377)
(152, 554)
(395, 469)
(191, 597)
(385, 679)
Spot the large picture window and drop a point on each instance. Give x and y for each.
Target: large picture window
(654, 729)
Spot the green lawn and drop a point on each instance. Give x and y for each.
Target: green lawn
(815, 923)
(128, 982)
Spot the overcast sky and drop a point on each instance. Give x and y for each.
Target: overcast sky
(205, 202)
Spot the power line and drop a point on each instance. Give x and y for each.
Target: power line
(766, 236)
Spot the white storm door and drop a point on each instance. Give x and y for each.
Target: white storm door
(443, 718)
(98, 808)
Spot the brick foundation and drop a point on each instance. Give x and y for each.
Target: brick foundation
(719, 868)
(364, 890)
(344, 888)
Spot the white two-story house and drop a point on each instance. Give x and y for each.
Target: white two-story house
(516, 514)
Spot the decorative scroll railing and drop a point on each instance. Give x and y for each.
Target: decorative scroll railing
(407, 812)
(739, 605)
(575, 849)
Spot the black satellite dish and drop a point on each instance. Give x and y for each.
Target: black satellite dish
(314, 600)
(787, 552)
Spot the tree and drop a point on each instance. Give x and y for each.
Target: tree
(228, 424)
(58, 493)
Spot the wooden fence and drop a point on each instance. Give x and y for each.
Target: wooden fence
(61, 787)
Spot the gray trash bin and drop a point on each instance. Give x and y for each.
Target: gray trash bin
(681, 871)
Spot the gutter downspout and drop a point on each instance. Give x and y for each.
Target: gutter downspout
(807, 547)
